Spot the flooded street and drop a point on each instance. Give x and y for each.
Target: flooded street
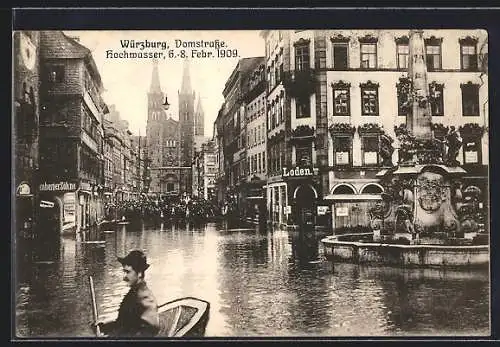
(258, 284)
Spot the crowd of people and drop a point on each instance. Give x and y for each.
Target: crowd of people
(191, 209)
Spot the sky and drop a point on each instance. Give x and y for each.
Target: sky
(127, 81)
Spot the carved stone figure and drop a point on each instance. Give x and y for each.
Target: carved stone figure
(454, 143)
(386, 149)
(404, 219)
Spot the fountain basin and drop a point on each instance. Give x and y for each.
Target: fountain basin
(422, 255)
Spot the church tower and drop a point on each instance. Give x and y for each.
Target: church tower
(186, 117)
(156, 116)
(199, 119)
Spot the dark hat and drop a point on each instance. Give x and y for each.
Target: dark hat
(136, 259)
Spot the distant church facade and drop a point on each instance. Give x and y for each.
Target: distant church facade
(171, 142)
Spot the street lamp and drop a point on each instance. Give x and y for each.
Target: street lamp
(166, 105)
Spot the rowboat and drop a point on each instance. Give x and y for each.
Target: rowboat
(183, 317)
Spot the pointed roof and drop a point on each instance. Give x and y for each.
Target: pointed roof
(155, 78)
(186, 79)
(199, 108)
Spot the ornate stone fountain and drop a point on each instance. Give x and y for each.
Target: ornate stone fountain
(423, 201)
(425, 217)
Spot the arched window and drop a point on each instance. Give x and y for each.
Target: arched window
(372, 189)
(343, 189)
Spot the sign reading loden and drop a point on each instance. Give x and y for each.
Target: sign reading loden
(299, 172)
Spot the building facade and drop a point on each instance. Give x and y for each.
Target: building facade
(25, 135)
(234, 124)
(341, 106)
(186, 100)
(209, 170)
(278, 117)
(170, 143)
(71, 135)
(218, 138)
(163, 143)
(256, 132)
(108, 153)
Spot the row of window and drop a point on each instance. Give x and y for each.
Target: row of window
(89, 164)
(90, 125)
(257, 76)
(257, 163)
(171, 143)
(275, 113)
(256, 136)
(276, 158)
(370, 99)
(368, 54)
(275, 73)
(343, 150)
(342, 154)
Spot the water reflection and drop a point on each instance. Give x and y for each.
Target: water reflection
(266, 283)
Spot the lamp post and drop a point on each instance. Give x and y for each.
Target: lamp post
(166, 106)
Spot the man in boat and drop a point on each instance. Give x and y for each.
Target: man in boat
(138, 313)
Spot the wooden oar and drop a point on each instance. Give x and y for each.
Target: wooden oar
(94, 307)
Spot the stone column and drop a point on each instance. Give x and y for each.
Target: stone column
(418, 119)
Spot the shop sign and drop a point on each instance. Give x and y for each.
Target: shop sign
(23, 189)
(57, 187)
(342, 211)
(46, 204)
(299, 172)
(471, 157)
(322, 210)
(342, 158)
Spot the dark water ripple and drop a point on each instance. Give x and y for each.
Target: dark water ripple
(258, 284)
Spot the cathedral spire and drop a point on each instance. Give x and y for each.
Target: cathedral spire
(186, 79)
(155, 78)
(199, 118)
(199, 108)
